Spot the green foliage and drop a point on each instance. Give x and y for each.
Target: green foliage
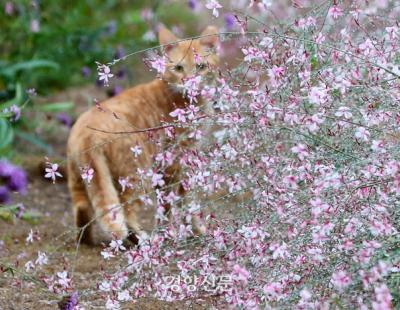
(10, 213)
(70, 35)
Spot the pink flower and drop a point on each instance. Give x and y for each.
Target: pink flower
(214, 5)
(341, 279)
(335, 12)
(51, 172)
(274, 291)
(180, 114)
(362, 134)
(192, 87)
(9, 8)
(87, 174)
(159, 64)
(301, 151)
(240, 273)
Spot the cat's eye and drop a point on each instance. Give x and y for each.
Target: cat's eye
(201, 66)
(178, 68)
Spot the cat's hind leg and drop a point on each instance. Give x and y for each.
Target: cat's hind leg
(83, 212)
(105, 200)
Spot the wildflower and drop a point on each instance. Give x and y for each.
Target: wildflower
(87, 174)
(192, 4)
(5, 196)
(335, 12)
(240, 273)
(63, 279)
(64, 119)
(69, 302)
(104, 73)
(117, 246)
(86, 71)
(214, 5)
(35, 26)
(341, 279)
(15, 111)
(29, 266)
(51, 172)
(9, 8)
(159, 64)
(362, 134)
(229, 21)
(31, 92)
(42, 259)
(192, 87)
(180, 114)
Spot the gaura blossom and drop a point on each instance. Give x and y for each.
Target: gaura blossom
(213, 5)
(160, 64)
(51, 172)
(104, 73)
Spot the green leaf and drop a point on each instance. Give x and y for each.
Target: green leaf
(6, 133)
(56, 107)
(6, 215)
(17, 100)
(35, 141)
(32, 217)
(12, 70)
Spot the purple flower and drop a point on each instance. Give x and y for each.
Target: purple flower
(20, 210)
(6, 169)
(17, 112)
(4, 195)
(14, 177)
(14, 110)
(116, 90)
(17, 181)
(31, 92)
(69, 302)
(192, 4)
(230, 21)
(120, 74)
(86, 71)
(111, 27)
(119, 53)
(64, 119)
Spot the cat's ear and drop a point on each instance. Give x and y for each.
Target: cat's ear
(165, 37)
(210, 36)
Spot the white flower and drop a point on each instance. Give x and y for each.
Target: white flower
(104, 73)
(136, 150)
(362, 134)
(29, 266)
(213, 5)
(124, 296)
(42, 259)
(112, 304)
(52, 173)
(116, 245)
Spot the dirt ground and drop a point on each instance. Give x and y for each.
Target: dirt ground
(57, 240)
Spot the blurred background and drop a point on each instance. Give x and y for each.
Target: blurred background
(48, 51)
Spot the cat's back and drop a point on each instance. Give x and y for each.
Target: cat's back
(138, 107)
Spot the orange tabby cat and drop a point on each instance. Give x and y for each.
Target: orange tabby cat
(140, 107)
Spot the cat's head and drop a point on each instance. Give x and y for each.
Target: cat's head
(189, 58)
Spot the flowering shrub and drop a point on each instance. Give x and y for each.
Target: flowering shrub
(299, 182)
